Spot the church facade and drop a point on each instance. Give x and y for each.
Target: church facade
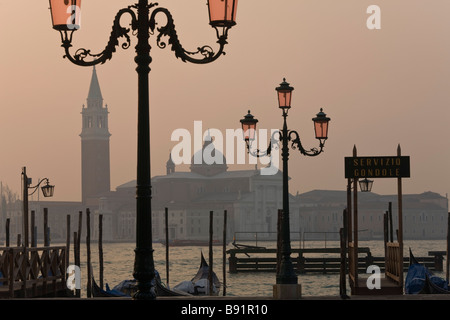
(251, 201)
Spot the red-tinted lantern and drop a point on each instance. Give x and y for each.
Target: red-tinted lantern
(249, 127)
(66, 14)
(284, 95)
(321, 125)
(222, 13)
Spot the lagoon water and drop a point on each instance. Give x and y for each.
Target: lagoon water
(118, 261)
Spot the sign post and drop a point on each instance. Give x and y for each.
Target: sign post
(375, 167)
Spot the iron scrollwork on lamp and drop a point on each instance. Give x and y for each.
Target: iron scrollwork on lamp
(66, 16)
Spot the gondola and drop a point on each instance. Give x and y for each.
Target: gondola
(420, 280)
(199, 284)
(127, 288)
(108, 293)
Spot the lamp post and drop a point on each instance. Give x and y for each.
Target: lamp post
(286, 274)
(47, 191)
(66, 19)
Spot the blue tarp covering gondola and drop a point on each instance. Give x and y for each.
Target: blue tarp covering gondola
(127, 288)
(420, 280)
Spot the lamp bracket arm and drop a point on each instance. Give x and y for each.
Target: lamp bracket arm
(37, 186)
(206, 53)
(274, 143)
(258, 153)
(296, 144)
(81, 55)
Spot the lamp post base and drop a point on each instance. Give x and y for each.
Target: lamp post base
(287, 291)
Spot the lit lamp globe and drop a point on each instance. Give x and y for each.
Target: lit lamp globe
(321, 125)
(66, 14)
(284, 95)
(249, 127)
(222, 13)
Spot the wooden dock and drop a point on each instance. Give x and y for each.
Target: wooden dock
(315, 260)
(32, 272)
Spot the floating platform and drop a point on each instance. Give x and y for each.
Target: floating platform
(315, 260)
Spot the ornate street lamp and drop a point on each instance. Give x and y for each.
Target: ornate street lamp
(286, 273)
(47, 191)
(222, 15)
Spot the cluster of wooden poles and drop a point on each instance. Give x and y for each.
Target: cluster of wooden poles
(76, 243)
(77, 248)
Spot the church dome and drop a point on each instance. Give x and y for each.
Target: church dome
(208, 161)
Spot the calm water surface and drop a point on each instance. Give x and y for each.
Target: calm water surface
(118, 260)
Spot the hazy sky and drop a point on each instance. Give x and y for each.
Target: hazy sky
(381, 87)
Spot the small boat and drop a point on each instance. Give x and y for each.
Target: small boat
(127, 288)
(199, 284)
(420, 280)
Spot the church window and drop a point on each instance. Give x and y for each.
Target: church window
(100, 122)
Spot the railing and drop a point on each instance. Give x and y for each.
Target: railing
(394, 263)
(294, 236)
(32, 271)
(308, 260)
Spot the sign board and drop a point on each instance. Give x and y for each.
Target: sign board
(377, 167)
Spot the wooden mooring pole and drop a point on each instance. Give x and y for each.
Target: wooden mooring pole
(46, 229)
(33, 229)
(343, 270)
(448, 243)
(7, 227)
(77, 247)
(167, 244)
(391, 224)
(224, 253)
(100, 248)
(67, 240)
(88, 252)
(76, 256)
(210, 269)
(80, 227)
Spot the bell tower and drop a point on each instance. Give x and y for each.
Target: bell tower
(95, 163)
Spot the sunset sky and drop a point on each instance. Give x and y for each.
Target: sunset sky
(380, 87)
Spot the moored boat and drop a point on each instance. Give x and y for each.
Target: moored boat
(199, 284)
(420, 280)
(127, 288)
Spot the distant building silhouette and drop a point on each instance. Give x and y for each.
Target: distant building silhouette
(95, 162)
(170, 165)
(252, 200)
